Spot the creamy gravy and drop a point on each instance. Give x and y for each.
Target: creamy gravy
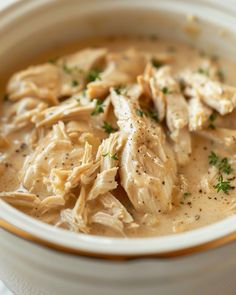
(194, 206)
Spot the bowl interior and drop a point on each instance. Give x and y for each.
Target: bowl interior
(30, 27)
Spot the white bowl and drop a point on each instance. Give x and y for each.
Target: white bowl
(36, 258)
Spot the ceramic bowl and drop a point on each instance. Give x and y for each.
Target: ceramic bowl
(36, 258)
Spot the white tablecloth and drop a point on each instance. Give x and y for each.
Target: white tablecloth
(4, 290)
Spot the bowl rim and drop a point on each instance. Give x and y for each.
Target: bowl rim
(64, 241)
(30, 229)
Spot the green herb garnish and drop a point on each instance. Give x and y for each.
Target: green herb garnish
(77, 98)
(203, 71)
(153, 115)
(186, 195)
(213, 159)
(74, 83)
(165, 90)
(223, 185)
(108, 128)
(98, 108)
(53, 60)
(211, 120)
(222, 164)
(139, 112)
(5, 97)
(221, 75)
(225, 167)
(66, 69)
(157, 63)
(114, 157)
(120, 90)
(93, 75)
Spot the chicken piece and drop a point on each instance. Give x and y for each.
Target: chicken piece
(149, 82)
(67, 111)
(176, 105)
(209, 180)
(170, 103)
(36, 136)
(198, 114)
(76, 219)
(76, 68)
(84, 60)
(96, 188)
(4, 142)
(115, 216)
(46, 169)
(42, 82)
(50, 82)
(122, 69)
(105, 181)
(176, 112)
(147, 164)
(20, 199)
(210, 67)
(182, 146)
(20, 114)
(150, 87)
(108, 153)
(216, 95)
(50, 203)
(222, 136)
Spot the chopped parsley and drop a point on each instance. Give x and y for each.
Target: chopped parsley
(114, 157)
(153, 115)
(93, 75)
(139, 112)
(66, 69)
(221, 75)
(222, 164)
(74, 83)
(223, 185)
(213, 159)
(120, 90)
(108, 128)
(186, 195)
(203, 71)
(224, 167)
(77, 98)
(98, 108)
(157, 63)
(150, 113)
(165, 90)
(53, 60)
(211, 120)
(5, 97)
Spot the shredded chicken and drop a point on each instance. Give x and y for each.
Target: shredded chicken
(119, 143)
(146, 161)
(216, 95)
(50, 82)
(122, 69)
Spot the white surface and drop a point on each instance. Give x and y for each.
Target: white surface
(4, 290)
